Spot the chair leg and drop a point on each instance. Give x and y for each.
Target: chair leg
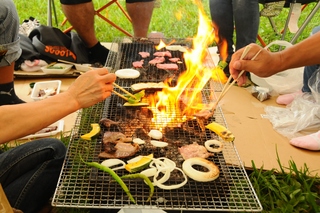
(310, 16)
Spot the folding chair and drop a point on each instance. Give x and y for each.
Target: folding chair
(291, 4)
(51, 7)
(305, 22)
(98, 13)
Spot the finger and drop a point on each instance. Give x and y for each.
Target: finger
(102, 71)
(110, 78)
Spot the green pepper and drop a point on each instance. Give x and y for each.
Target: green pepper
(113, 174)
(145, 178)
(138, 96)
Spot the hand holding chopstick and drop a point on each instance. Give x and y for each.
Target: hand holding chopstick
(122, 89)
(226, 86)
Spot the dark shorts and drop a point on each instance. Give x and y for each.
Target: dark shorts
(70, 2)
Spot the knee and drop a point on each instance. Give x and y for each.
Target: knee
(58, 148)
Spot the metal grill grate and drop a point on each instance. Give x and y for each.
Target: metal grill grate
(83, 187)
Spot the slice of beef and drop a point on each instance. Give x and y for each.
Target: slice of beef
(144, 54)
(166, 53)
(168, 66)
(115, 137)
(194, 150)
(157, 60)
(174, 60)
(137, 64)
(119, 150)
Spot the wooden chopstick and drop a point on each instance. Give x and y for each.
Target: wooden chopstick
(121, 96)
(122, 89)
(125, 91)
(227, 87)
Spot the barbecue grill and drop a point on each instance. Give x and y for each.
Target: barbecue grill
(82, 187)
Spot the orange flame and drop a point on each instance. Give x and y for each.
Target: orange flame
(174, 105)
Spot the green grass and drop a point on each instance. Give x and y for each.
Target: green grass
(175, 18)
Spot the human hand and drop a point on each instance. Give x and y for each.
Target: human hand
(92, 87)
(263, 64)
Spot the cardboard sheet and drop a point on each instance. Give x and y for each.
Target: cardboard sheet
(256, 140)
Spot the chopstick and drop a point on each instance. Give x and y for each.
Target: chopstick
(227, 87)
(123, 90)
(121, 96)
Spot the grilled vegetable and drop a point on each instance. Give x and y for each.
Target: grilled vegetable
(222, 131)
(145, 178)
(139, 165)
(138, 96)
(113, 174)
(94, 132)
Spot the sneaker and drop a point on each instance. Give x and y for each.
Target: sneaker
(272, 9)
(28, 25)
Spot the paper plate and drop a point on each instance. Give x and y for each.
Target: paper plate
(127, 73)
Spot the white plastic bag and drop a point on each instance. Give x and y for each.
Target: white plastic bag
(288, 81)
(314, 85)
(302, 114)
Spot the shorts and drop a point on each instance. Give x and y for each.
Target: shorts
(70, 2)
(9, 33)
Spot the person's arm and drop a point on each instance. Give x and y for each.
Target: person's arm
(267, 63)
(20, 120)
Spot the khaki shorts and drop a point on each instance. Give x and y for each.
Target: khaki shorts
(9, 33)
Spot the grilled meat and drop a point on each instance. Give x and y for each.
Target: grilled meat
(194, 150)
(119, 150)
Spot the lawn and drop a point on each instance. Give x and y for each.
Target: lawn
(278, 191)
(175, 18)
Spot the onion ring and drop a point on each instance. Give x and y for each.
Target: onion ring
(113, 162)
(208, 144)
(197, 175)
(162, 186)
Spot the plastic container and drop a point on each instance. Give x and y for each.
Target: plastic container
(45, 89)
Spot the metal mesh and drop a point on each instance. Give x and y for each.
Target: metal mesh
(83, 187)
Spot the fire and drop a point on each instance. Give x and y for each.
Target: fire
(174, 105)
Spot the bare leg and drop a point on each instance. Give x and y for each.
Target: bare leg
(81, 17)
(140, 14)
(7, 74)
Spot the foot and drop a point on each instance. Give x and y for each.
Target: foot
(287, 98)
(310, 142)
(8, 95)
(98, 53)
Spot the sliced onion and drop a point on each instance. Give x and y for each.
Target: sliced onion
(135, 159)
(155, 134)
(208, 144)
(149, 172)
(169, 187)
(110, 163)
(138, 141)
(197, 175)
(159, 143)
(168, 163)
